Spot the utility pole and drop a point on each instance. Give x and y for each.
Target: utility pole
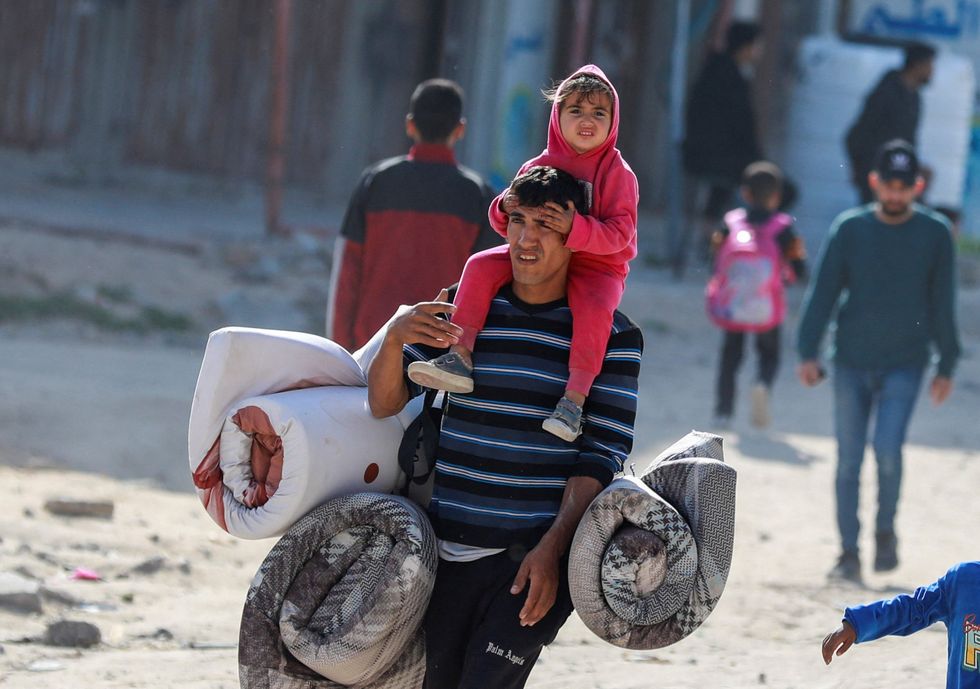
(278, 106)
(675, 119)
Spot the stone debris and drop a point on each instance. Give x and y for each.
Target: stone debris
(161, 634)
(66, 507)
(19, 594)
(212, 645)
(26, 572)
(151, 566)
(45, 665)
(58, 597)
(72, 634)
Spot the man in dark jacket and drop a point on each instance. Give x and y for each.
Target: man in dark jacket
(411, 223)
(720, 132)
(890, 111)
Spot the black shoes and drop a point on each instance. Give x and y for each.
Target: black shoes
(886, 551)
(848, 568)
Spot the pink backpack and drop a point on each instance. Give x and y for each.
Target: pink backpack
(745, 294)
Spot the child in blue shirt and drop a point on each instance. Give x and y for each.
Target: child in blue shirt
(954, 600)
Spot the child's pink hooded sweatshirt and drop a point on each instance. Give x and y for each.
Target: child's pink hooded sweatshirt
(609, 231)
(604, 242)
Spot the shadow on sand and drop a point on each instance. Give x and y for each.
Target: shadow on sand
(758, 445)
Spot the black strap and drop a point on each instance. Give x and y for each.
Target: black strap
(421, 438)
(422, 435)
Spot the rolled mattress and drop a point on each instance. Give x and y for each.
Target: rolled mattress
(279, 424)
(340, 599)
(650, 557)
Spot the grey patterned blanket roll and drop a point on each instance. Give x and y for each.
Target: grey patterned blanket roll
(651, 555)
(339, 600)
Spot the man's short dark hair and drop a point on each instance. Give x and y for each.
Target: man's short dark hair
(741, 34)
(436, 108)
(762, 180)
(541, 184)
(916, 53)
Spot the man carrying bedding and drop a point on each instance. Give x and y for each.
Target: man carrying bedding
(508, 495)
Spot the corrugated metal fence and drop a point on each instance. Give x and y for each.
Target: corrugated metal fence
(184, 83)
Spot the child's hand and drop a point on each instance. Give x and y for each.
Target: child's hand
(556, 218)
(837, 643)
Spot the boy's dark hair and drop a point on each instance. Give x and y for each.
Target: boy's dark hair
(436, 108)
(584, 84)
(741, 34)
(762, 180)
(541, 184)
(916, 53)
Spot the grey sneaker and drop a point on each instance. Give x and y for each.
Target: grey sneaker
(565, 421)
(886, 551)
(448, 372)
(848, 568)
(760, 405)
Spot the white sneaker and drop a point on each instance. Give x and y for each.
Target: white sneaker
(760, 406)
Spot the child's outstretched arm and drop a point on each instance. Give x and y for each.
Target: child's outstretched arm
(838, 641)
(617, 230)
(900, 616)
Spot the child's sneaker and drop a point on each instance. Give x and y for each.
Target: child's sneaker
(565, 421)
(760, 405)
(448, 372)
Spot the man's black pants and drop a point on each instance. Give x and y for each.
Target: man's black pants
(473, 636)
(732, 348)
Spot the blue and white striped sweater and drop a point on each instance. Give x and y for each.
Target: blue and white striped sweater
(499, 476)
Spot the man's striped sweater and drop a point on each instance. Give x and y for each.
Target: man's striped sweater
(499, 476)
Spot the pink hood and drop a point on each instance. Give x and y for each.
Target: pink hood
(578, 163)
(608, 232)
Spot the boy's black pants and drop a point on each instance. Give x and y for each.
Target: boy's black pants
(473, 637)
(732, 349)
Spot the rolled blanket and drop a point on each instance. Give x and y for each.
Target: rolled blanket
(651, 555)
(339, 600)
(279, 424)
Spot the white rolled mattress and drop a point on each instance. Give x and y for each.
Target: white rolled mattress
(279, 425)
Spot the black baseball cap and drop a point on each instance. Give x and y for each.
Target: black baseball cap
(897, 160)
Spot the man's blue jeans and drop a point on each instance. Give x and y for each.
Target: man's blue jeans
(891, 393)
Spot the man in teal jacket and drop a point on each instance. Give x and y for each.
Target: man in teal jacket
(888, 270)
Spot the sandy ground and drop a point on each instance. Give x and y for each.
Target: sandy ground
(84, 413)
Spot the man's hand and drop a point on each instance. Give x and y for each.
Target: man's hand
(940, 388)
(810, 373)
(556, 218)
(837, 643)
(420, 324)
(540, 568)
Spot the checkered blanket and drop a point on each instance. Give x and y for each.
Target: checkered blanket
(339, 600)
(651, 555)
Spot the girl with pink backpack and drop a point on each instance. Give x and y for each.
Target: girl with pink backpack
(756, 253)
